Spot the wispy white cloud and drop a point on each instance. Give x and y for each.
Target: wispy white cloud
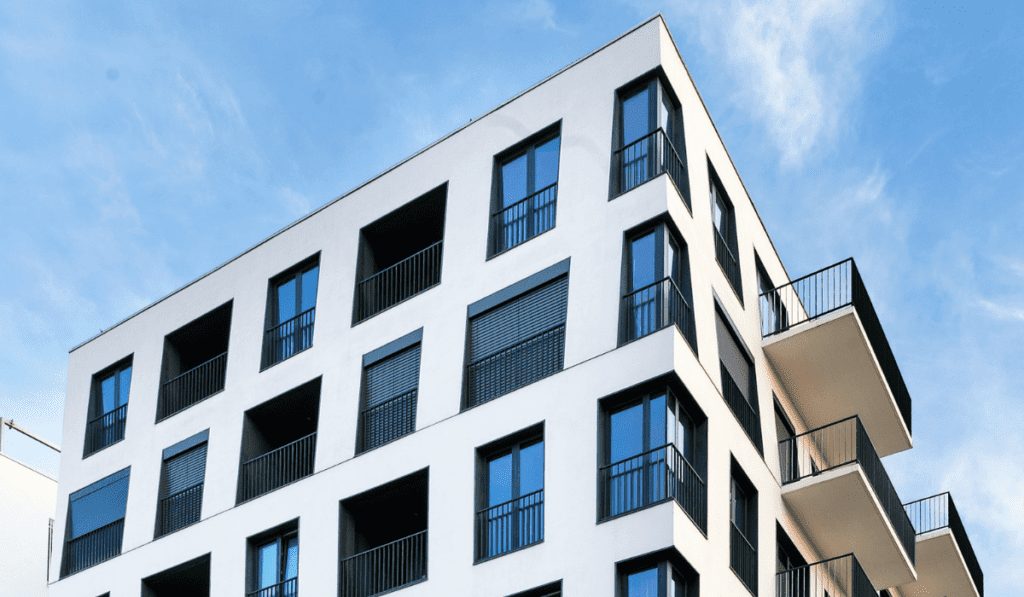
(538, 13)
(797, 62)
(1001, 311)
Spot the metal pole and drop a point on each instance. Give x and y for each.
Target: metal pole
(12, 425)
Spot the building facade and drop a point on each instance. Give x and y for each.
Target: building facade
(554, 353)
(28, 497)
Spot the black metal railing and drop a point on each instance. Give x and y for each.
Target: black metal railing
(92, 548)
(105, 430)
(390, 286)
(746, 412)
(192, 386)
(510, 526)
(838, 577)
(649, 157)
(743, 558)
(524, 219)
(516, 366)
(385, 568)
(288, 338)
(277, 468)
(822, 292)
(649, 478)
(288, 588)
(389, 420)
(181, 509)
(729, 262)
(839, 444)
(654, 307)
(939, 512)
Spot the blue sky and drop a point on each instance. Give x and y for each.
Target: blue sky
(141, 146)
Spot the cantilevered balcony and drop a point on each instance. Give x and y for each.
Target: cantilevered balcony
(647, 158)
(946, 564)
(836, 486)
(837, 577)
(824, 340)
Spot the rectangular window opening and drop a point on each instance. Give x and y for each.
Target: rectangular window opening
(291, 312)
(525, 190)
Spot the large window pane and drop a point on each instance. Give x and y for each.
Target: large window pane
(499, 480)
(286, 301)
(642, 252)
(123, 386)
(635, 117)
(531, 468)
(291, 565)
(642, 584)
(267, 565)
(547, 164)
(309, 282)
(107, 393)
(514, 180)
(627, 438)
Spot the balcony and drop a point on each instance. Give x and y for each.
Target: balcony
(512, 525)
(946, 564)
(729, 263)
(191, 578)
(519, 365)
(400, 255)
(195, 361)
(179, 510)
(524, 220)
(384, 538)
(824, 340)
(288, 338)
(838, 577)
(650, 478)
(279, 441)
(105, 430)
(836, 486)
(647, 158)
(92, 548)
(746, 412)
(388, 421)
(654, 307)
(743, 558)
(288, 588)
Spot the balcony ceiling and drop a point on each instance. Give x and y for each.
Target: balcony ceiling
(841, 514)
(941, 569)
(830, 373)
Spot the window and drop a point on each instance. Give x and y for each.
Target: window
(526, 191)
(95, 524)
(291, 312)
(793, 584)
(656, 289)
(649, 137)
(743, 517)
(774, 317)
(510, 512)
(739, 385)
(274, 562)
(723, 216)
(181, 484)
(549, 590)
(787, 445)
(108, 407)
(660, 574)
(279, 441)
(517, 335)
(390, 381)
(195, 362)
(400, 254)
(654, 449)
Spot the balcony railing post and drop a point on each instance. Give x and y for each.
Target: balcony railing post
(278, 467)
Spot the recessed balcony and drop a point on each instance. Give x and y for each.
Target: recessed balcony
(836, 486)
(823, 338)
(946, 564)
(837, 577)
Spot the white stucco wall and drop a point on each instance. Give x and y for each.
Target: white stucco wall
(27, 501)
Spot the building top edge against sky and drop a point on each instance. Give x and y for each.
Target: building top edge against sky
(656, 17)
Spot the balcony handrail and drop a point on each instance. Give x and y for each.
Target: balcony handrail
(837, 291)
(288, 321)
(743, 536)
(516, 345)
(108, 413)
(73, 562)
(512, 501)
(525, 199)
(389, 401)
(385, 546)
(853, 582)
(853, 447)
(941, 509)
(277, 590)
(277, 450)
(651, 134)
(179, 493)
(653, 284)
(659, 159)
(749, 415)
(653, 450)
(725, 243)
(400, 263)
(201, 365)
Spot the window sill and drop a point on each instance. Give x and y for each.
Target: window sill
(505, 553)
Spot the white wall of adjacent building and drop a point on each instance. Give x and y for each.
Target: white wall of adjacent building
(27, 501)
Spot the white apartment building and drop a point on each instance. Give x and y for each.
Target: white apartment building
(27, 499)
(554, 353)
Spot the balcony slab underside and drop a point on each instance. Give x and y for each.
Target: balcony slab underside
(841, 514)
(941, 568)
(830, 372)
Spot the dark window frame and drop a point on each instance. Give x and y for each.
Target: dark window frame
(186, 446)
(741, 485)
(391, 350)
(279, 534)
(551, 589)
(665, 232)
(95, 413)
(770, 300)
(528, 148)
(115, 551)
(730, 235)
(511, 444)
(294, 273)
(752, 398)
(670, 565)
(658, 88)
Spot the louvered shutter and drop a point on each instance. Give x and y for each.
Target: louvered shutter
(517, 342)
(181, 496)
(390, 387)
